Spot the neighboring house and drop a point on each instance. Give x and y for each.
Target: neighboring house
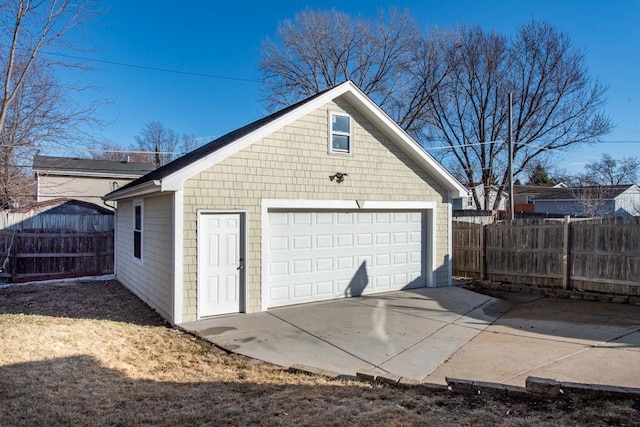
(524, 195)
(606, 200)
(467, 202)
(327, 198)
(83, 179)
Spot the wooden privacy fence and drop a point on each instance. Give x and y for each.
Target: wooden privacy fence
(601, 255)
(56, 246)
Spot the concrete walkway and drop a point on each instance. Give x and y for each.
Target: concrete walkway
(428, 334)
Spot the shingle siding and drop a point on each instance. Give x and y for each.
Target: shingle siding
(152, 280)
(293, 163)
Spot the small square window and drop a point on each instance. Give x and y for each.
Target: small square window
(340, 135)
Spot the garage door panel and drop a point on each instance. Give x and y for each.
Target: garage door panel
(279, 268)
(278, 244)
(383, 217)
(324, 265)
(383, 260)
(324, 255)
(325, 288)
(400, 279)
(345, 241)
(383, 282)
(279, 294)
(365, 217)
(365, 239)
(400, 238)
(365, 260)
(342, 287)
(324, 218)
(302, 266)
(383, 238)
(302, 290)
(400, 217)
(302, 218)
(345, 263)
(324, 241)
(344, 218)
(278, 218)
(302, 242)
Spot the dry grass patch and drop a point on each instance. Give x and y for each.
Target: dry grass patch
(93, 354)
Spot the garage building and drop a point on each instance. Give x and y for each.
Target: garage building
(325, 199)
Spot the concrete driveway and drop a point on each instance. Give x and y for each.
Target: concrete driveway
(428, 334)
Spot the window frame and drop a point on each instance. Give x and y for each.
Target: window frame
(138, 232)
(333, 132)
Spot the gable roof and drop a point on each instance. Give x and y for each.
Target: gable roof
(591, 192)
(170, 176)
(89, 167)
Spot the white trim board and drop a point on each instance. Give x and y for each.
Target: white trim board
(178, 257)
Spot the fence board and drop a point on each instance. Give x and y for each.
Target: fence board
(466, 243)
(600, 255)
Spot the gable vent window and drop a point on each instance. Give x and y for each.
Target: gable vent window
(340, 138)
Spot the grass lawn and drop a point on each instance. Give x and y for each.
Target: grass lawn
(93, 354)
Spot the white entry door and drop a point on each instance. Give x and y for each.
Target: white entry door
(220, 264)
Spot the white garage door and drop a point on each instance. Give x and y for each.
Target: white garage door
(314, 256)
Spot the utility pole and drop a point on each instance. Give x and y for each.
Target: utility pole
(511, 212)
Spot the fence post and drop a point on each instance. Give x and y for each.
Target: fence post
(483, 252)
(566, 249)
(14, 255)
(96, 259)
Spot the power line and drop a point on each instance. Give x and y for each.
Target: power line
(145, 67)
(101, 150)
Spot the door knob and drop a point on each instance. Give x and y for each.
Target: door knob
(241, 266)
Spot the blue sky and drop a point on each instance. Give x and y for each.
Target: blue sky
(224, 39)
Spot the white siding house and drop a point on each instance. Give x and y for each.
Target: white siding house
(605, 200)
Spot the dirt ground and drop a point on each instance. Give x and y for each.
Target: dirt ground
(93, 354)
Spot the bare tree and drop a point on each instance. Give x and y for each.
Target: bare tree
(35, 107)
(609, 171)
(188, 143)
(556, 104)
(593, 201)
(386, 58)
(447, 86)
(158, 141)
(111, 151)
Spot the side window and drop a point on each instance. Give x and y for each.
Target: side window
(137, 230)
(340, 133)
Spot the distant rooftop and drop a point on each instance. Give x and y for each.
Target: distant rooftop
(74, 165)
(595, 192)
